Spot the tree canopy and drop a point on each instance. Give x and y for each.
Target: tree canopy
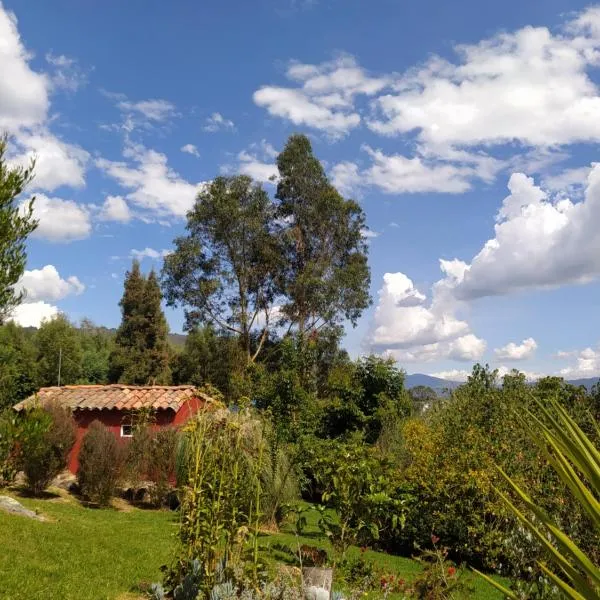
(141, 354)
(15, 227)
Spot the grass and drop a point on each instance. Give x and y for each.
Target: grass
(82, 553)
(95, 554)
(405, 568)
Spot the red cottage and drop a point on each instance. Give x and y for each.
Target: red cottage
(113, 405)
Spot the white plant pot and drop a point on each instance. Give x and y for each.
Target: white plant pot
(317, 583)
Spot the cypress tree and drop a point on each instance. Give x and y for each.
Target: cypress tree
(141, 347)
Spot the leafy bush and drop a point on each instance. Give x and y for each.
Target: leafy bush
(9, 432)
(99, 464)
(47, 436)
(359, 485)
(161, 468)
(440, 579)
(576, 460)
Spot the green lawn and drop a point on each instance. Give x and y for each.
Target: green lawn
(84, 553)
(403, 567)
(97, 554)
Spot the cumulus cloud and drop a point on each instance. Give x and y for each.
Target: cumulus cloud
(115, 208)
(57, 163)
(154, 187)
(408, 328)
(587, 364)
(60, 220)
(190, 149)
(396, 174)
(24, 106)
(47, 284)
(217, 122)
(149, 253)
(530, 86)
(540, 242)
(323, 96)
(33, 314)
(523, 351)
(24, 98)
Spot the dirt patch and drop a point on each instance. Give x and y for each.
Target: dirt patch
(121, 505)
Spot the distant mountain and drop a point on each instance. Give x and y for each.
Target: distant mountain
(587, 383)
(438, 384)
(435, 383)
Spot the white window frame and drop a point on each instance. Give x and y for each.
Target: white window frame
(126, 435)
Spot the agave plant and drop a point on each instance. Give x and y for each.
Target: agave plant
(576, 460)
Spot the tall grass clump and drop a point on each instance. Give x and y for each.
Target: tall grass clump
(220, 462)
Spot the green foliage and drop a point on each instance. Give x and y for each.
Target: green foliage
(448, 462)
(219, 470)
(576, 460)
(359, 486)
(58, 342)
(18, 368)
(141, 354)
(364, 397)
(99, 464)
(9, 437)
(15, 227)
(208, 357)
(97, 343)
(440, 579)
(223, 271)
(45, 440)
(326, 276)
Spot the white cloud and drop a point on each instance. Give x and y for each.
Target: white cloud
(67, 74)
(57, 163)
(155, 188)
(460, 375)
(324, 98)
(149, 253)
(24, 106)
(115, 209)
(540, 242)
(587, 364)
(47, 284)
(408, 329)
(154, 110)
(60, 220)
(396, 174)
(530, 86)
(190, 149)
(568, 180)
(257, 161)
(523, 351)
(33, 314)
(217, 122)
(23, 92)
(369, 234)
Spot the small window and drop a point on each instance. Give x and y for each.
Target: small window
(126, 430)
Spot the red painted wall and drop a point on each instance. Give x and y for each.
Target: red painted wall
(113, 419)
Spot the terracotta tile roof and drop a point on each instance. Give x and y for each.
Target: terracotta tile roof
(115, 397)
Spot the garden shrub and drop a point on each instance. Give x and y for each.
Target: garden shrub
(99, 464)
(47, 436)
(161, 466)
(8, 447)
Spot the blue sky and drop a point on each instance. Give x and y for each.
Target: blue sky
(469, 136)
